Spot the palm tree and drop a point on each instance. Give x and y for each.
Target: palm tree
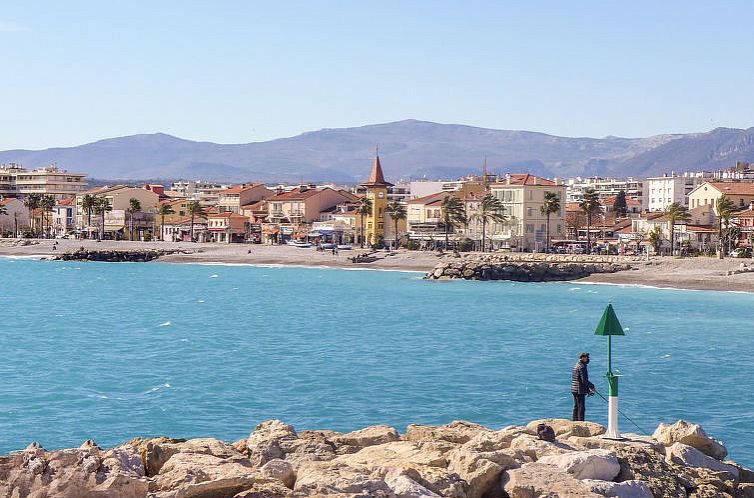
(490, 209)
(453, 212)
(397, 212)
(550, 205)
(46, 204)
(101, 206)
(87, 204)
(655, 239)
(134, 206)
(724, 208)
(194, 209)
(32, 203)
(674, 213)
(164, 210)
(590, 205)
(365, 209)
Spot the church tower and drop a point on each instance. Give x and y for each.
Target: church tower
(376, 191)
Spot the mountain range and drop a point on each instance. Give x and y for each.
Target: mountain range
(408, 149)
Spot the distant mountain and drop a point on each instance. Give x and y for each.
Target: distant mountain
(408, 149)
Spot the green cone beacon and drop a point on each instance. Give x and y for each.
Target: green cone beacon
(610, 326)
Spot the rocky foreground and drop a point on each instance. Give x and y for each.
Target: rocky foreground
(459, 460)
(114, 256)
(523, 267)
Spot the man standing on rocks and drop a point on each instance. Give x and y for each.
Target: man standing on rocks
(580, 387)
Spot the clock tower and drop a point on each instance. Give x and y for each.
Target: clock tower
(376, 191)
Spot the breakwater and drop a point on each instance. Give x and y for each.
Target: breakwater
(527, 267)
(550, 457)
(114, 256)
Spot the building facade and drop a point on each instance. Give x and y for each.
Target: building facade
(17, 181)
(525, 228)
(662, 191)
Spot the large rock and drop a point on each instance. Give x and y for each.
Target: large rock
(86, 471)
(691, 435)
(537, 480)
(369, 436)
(155, 452)
(264, 444)
(689, 456)
(405, 487)
(564, 427)
(535, 448)
(195, 475)
(625, 489)
(666, 480)
(279, 470)
(588, 464)
(458, 431)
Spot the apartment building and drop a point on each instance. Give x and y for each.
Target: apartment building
(17, 181)
(231, 200)
(204, 192)
(525, 228)
(662, 191)
(605, 187)
(703, 198)
(118, 220)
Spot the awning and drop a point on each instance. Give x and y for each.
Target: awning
(270, 232)
(315, 234)
(299, 235)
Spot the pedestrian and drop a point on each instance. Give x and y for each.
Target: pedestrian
(580, 387)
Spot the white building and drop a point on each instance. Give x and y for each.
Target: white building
(606, 187)
(17, 181)
(662, 191)
(15, 218)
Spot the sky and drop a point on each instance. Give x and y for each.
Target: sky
(243, 71)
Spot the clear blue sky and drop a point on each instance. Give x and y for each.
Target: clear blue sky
(242, 71)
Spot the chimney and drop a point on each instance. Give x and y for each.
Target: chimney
(507, 178)
(536, 180)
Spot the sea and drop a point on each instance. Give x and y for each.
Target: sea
(112, 351)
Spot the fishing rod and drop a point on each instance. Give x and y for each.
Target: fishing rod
(624, 415)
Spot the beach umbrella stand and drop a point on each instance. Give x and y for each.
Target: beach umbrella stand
(610, 326)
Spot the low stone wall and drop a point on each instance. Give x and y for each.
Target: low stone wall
(521, 271)
(114, 256)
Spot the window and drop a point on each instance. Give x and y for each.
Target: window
(529, 228)
(529, 211)
(559, 228)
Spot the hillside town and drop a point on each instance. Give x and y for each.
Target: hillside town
(680, 214)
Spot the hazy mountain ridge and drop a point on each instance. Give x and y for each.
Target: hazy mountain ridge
(407, 148)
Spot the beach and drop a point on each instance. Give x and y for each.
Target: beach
(699, 273)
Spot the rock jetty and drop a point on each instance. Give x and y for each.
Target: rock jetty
(456, 460)
(526, 268)
(137, 256)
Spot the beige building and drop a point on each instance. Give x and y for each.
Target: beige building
(703, 198)
(118, 219)
(17, 181)
(525, 228)
(230, 200)
(303, 205)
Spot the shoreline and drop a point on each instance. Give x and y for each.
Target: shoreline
(697, 274)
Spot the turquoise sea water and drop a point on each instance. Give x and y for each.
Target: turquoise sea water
(110, 351)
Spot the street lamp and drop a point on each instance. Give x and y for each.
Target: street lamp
(610, 326)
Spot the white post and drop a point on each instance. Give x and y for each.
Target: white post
(612, 420)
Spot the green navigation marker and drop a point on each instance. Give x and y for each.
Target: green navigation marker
(610, 326)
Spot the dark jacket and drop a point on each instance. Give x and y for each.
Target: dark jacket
(580, 379)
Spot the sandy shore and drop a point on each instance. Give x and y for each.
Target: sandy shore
(689, 273)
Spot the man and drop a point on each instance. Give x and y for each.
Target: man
(580, 387)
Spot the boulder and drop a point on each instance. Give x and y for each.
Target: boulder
(691, 435)
(279, 470)
(626, 489)
(458, 431)
(535, 448)
(689, 456)
(587, 464)
(404, 486)
(155, 452)
(537, 480)
(369, 436)
(266, 489)
(264, 444)
(564, 428)
(193, 475)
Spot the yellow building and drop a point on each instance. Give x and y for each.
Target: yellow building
(703, 198)
(376, 191)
